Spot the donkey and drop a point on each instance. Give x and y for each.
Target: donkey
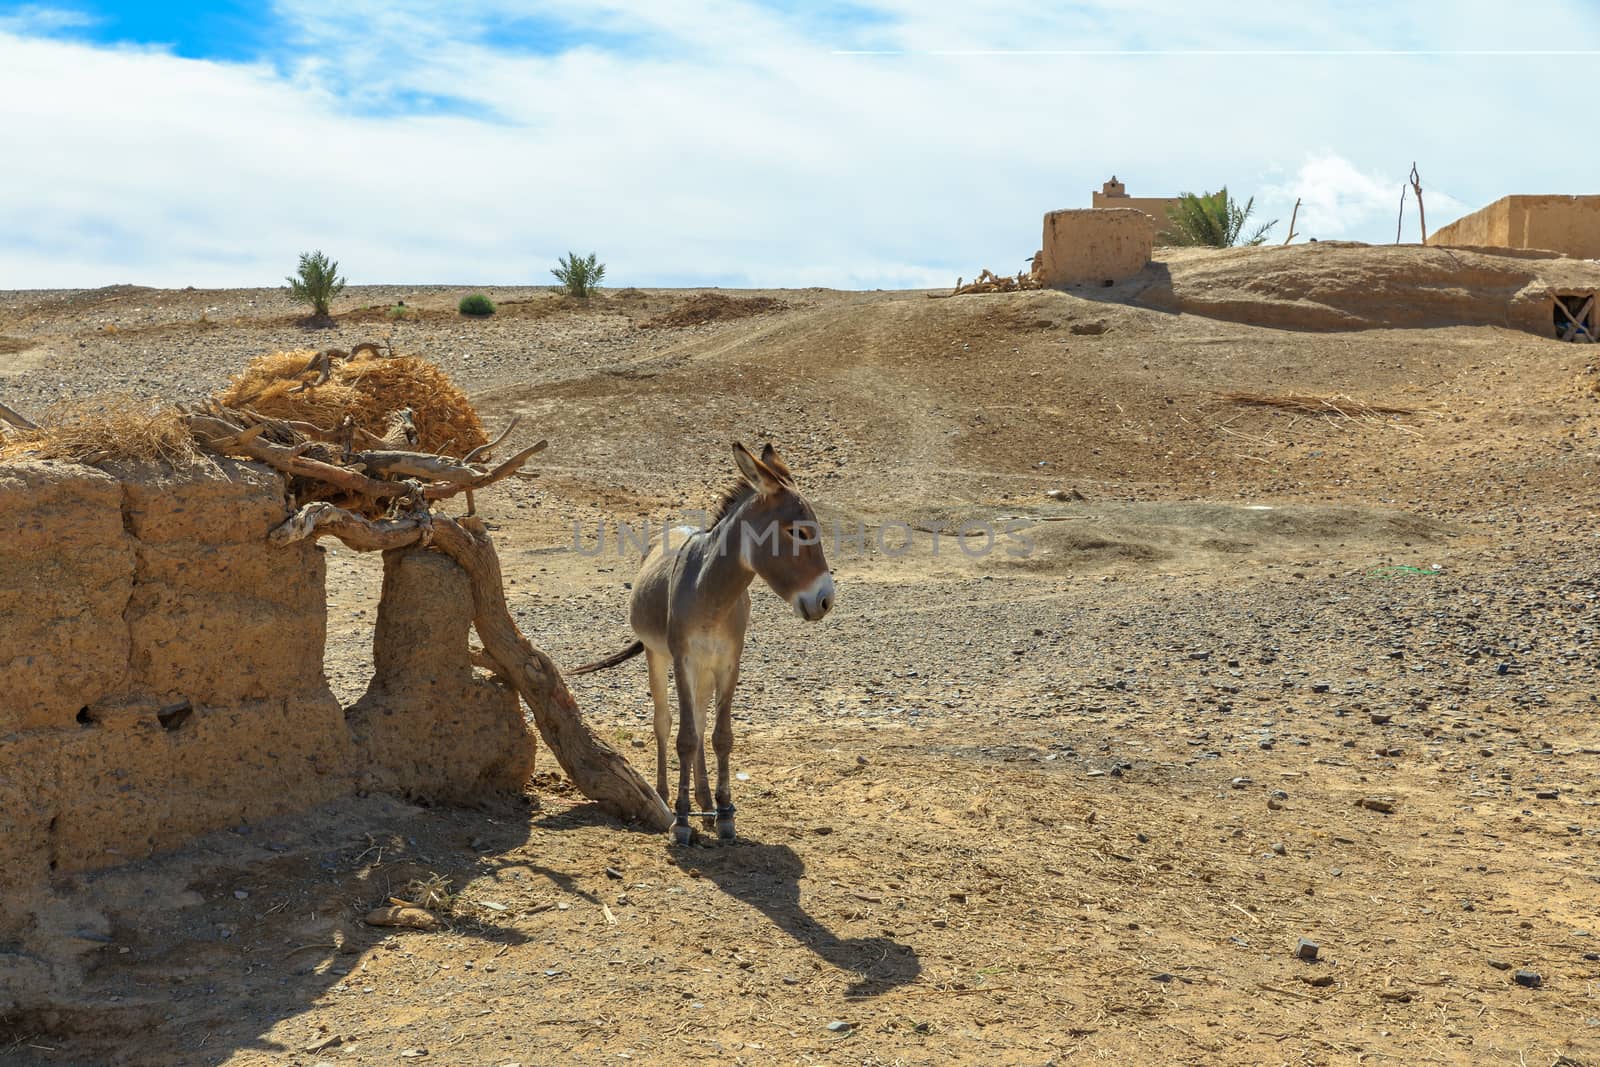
(691, 607)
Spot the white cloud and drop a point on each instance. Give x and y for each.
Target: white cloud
(37, 19)
(1339, 201)
(725, 143)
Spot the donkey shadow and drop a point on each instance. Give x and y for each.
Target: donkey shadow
(767, 877)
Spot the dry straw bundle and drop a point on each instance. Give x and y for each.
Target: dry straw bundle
(108, 428)
(285, 385)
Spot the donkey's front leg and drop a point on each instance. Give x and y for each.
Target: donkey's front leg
(722, 741)
(690, 745)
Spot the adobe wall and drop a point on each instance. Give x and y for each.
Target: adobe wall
(1092, 246)
(1155, 209)
(1565, 224)
(161, 672)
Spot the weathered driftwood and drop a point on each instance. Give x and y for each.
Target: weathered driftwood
(222, 431)
(598, 770)
(19, 421)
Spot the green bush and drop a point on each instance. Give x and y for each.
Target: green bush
(477, 304)
(400, 311)
(579, 277)
(1212, 219)
(316, 283)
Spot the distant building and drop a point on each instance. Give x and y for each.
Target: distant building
(1114, 194)
(1566, 224)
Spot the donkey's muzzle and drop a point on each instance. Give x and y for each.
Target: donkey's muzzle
(816, 601)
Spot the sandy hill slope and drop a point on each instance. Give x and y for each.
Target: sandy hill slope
(1316, 667)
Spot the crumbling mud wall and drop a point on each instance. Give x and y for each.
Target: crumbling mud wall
(1094, 246)
(427, 728)
(1332, 286)
(161, 672)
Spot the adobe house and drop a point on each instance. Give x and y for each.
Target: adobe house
(1093, 246)
(1113, 194)
(1569, 225)
(1566, 224)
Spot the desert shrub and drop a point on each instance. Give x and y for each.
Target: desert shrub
(316, 283)
(579, 277)
(477, 304)
(1214, 219)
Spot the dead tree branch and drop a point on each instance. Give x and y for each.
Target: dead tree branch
(1422, 214)
(21, 423)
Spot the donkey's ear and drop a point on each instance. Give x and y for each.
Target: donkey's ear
(774, 463)
(760, 478)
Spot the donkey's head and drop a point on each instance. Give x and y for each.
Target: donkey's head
(776, 534)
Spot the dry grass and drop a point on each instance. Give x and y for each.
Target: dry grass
(431, 894)
(1347, 407)
(109, 428)
(369, 390)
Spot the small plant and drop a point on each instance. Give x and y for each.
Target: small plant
(477, 305)
(400, 311)
(316, 283)
(1212, 219)
(579, 277)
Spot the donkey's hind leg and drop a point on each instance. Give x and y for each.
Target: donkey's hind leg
(658, 693)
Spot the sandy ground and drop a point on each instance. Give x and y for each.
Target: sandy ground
(1277, 676)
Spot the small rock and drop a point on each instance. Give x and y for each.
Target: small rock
(1500, 965)
(612, 872)
(1530, 979)
(1279, 849)
(1381, 718)
(413, 1053)
(1307, 950)
(839, 1026)
(1379, 804)
(1321, 981)
(1547, 794)
(1240, 783)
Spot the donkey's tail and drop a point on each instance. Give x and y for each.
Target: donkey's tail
(611, 661)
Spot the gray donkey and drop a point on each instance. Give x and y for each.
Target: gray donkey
(691, 607)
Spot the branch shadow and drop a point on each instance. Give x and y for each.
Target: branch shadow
(767, 877)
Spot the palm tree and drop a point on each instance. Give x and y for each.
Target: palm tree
(1212, 219)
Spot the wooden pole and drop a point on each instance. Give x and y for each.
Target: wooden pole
(1402, 217)
(1422, 215)
(1292, 216)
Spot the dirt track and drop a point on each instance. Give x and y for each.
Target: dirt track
(1006, 808)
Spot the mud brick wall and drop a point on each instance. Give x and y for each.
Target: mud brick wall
(160, 663)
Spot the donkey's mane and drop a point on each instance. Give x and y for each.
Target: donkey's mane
(732, 497)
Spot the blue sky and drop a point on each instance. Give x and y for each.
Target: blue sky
(864, 144)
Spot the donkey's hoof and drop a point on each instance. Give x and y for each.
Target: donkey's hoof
(682, 834)
(725, 829)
